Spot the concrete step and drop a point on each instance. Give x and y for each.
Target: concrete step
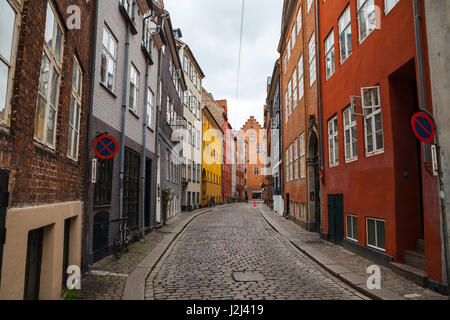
(421, 245)
(414, 258)
(416, 275)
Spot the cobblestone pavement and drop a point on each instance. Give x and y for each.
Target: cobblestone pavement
(108, 284)
(209, 257)
(389, 279)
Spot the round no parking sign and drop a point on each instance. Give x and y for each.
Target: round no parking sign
(423, 127)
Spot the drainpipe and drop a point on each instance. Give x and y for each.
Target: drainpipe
(319, 87)
(144, 149)
(124, 114)
(423, 107)
(87, 213)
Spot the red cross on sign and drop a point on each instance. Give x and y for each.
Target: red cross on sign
(106, 147)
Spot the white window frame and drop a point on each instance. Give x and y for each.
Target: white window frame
(54, 66)
(345, 28)
(134, 89)
(150, 107)
(75, 111)
(309, 4)
(312, 60)
(255, 171)
(391, 3)
(330, 64)
(364, 5)
(11, 62)
(291, 162)
(350, 228)
(296, 159)
(294, 89)
(302, 156)
(293, 37)
(299, 19)
(110, 56)
(286, 164)
(333, 145)
(300, 74)
(370, 113)
(376, 236)
(348, 131)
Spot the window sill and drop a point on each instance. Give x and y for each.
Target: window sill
(44, 148)
(352, 240)
(373, 154)
(134, 113)
(376, 248)
(351, 160)
(334, 165)
(108, 90)
(102, 206)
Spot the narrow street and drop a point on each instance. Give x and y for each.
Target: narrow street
(233, 253)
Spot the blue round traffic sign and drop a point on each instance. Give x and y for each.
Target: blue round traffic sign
(106, 147)
(423, 127)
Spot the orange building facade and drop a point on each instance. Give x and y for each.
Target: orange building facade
(380, 196)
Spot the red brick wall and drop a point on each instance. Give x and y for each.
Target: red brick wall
(40, 175)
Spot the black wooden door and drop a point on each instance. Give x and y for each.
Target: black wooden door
(4, 196)
(33, 266)
(336, 217)
(100, 235)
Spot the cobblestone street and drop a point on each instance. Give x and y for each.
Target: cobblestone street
(232, 253)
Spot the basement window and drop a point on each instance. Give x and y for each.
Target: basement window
(352, 227)
(376, 234)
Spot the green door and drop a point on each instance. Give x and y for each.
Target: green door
(336, 218)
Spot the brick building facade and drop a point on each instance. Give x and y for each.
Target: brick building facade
(43, 143)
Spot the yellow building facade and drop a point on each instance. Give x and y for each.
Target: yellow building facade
(212, 160)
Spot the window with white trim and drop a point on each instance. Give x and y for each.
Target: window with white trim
(333, 142)
(303, 210)
(49, 80)
(312, 60)
(299, 19)
(352, 227)
(286, 164)
(150, 106)
(373, 122)
(293, 36)
(294, 89)
(376, 233)
(109, 60)
(286, 111)
(302, 156)
(366, 18)
(350, 135)
(291, 162)
(296, 159)
(9, 34)
(301, 88)
(255, 171)
(134, 90)
(309, 4)
(75, 111)
(290, 97)
(389, 4)
(285, 62)
(345, 35)
(329, 55)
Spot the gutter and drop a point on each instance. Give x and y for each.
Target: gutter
(423, 107)
(124, 114)
(319, 87)
(87, 213)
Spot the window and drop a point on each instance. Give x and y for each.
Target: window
(256, 170)
(376, 233)
(258, 149)
(150, 104)
(389, 4)
(103, 186)
(294, 85)
(299, 19)
(290, 97)
(8, 35)
(286, 163)
(302, 156)
(366, 18)
(291, 162)
(75, 111)
(373, 122)
(352, 227)
(134, 89)
(286, 114)
(303, 211)
(109, 60)
(285, 62)
(131, 187)
(296, 158)
(185, 64)
(252, 138)
(309, 4)
(49, 80)
(345, 35)
(312, 60)
(333, 145)
(300, 78)
(293, 37)
(329, 55)
(350, 135)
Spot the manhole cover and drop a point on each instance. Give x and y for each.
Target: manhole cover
(248, 276)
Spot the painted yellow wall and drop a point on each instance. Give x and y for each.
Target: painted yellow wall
(212, 160)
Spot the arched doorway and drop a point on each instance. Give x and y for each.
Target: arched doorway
(314, 216)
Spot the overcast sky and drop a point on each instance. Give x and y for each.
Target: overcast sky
(211, 28)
